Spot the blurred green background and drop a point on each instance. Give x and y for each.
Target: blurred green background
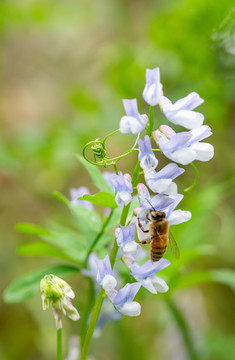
(65, 67)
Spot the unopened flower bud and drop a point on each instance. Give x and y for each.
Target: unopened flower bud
(58, 293)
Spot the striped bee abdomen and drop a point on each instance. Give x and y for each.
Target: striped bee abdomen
(158, 247)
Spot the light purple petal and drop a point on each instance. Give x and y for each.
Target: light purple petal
(189, 102)
(146, 156)
(167, 131)
(199, 134)
(104, 268)
(148, 268)
(153, 92)
(204, 151)
(176, 200)
(77, 193)
(186, 118)
(161, 202)
(131, 107)
(133, 122)
(177, 141)
(179, 216)
(132, 308)
(126, 234)
(126, 294)
(183, 156)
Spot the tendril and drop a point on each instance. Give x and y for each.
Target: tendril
(99, 151)
(195, 180)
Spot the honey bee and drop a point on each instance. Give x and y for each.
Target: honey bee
(159, 235)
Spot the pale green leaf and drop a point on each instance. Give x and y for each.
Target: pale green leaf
(102, 198)
(41, 249)
(32, 229)
(96, 176)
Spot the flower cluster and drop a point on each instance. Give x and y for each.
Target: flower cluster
(182, 148)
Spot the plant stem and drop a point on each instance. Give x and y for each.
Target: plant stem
(92, 324)
(59, 344)
(183, 329)
(101, 295)
(151, 116)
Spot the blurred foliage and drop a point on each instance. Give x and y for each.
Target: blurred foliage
(65, 66)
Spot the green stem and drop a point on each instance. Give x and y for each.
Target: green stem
(183, 329)
(92, 324)
(151, 121)
(195, 180)
(101, 295)
(59, 344)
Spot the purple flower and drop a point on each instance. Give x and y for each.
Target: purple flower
(123, 300)
(161, 181)
(77, 193)
(105, 277)
(146, 156)
(145, 274)
(153, 93)
(132, 122)
(181, 113)
(184, 147)
(126, 239)
(122, 186)
(161, 203)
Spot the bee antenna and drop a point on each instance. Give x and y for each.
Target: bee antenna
(150, 204)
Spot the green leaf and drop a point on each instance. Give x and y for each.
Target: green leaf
(96, 176)
(26, 286)
(32, 229)
(41, 249)
(72, 244)
(88, 220)
(102, 198)
(61, 197)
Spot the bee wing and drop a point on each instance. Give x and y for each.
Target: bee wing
(173, 247)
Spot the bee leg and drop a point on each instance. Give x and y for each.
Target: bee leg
(141, 226)
(146, 241)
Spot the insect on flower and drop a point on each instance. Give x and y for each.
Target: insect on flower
(159, 235)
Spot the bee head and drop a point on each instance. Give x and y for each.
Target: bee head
(156, 215)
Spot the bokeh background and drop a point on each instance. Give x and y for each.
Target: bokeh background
(65, 67)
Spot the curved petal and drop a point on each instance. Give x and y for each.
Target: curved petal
(130, 124)
(182, 156)
(109, 282)
(204, 151)
(159, 284)
(126, 294)
(149, 268)
(199, 134)
(179, 216)
(186, 118)
(130, 308)
(189, 102)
